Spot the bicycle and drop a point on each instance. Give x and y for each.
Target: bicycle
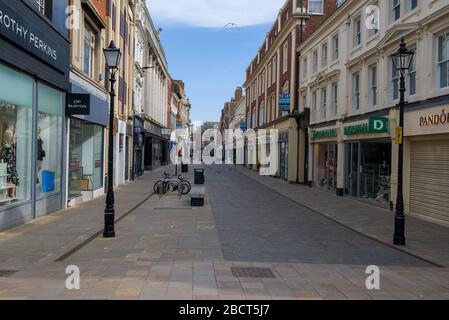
(171, 183)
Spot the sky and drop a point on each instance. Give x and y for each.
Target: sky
(210, 58)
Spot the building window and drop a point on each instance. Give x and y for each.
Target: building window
(324, 55)
(412, 4)
(335, 47)
(373, 84)
(269, 80)
(285, 60)
(356, 91)
(89, 51)
(304, 69)
(316, 6)
(394, 81)
(357, 33)
(323, 103)
(253, 120)
(315, 62)
(334, 98)
(395, 9)
(443, 60)
(41, 6)
(412, 76)
(374, 21)
(314, 105)
(304, 101)
(261, 114)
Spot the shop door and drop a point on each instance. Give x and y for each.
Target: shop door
(429, 179)
(353, 169)
(331, 166)
(283, 161)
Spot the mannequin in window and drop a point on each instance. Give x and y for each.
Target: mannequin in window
(40, 152)
(8, 156)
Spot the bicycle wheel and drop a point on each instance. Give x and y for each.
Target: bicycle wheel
(186, 187)
(157, 186)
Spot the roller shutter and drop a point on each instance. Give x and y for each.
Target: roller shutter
(429, 179)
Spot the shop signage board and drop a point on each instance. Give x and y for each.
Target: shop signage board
(284, 102)
(25, 28)
(77, 104)
(320, 134)
(374, 125)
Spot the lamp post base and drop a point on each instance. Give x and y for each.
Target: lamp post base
(399, 237)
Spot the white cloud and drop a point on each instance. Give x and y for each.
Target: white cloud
(215, 13)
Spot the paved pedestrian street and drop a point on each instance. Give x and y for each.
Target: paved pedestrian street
(247, 242)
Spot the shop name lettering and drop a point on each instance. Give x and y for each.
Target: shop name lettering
(435, 119)
(9, 23)
(331, 133)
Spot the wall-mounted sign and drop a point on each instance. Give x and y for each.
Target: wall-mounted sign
(24, 27)
(374, 125)
(77, 104)
(436, 119)
(284, 102)
(319, 134)
(243, 126)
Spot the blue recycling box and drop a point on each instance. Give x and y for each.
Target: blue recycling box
(48, 181)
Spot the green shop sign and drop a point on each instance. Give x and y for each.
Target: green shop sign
(374, 125)
(330, 133)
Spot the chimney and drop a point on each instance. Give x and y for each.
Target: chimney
(238, 94)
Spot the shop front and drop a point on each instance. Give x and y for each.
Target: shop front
(32, 94)
(368, 158)
(88, 119)
(426, 163)
(325, 158)
(155, 146)
(139, 135)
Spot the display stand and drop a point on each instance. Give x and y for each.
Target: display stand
(6, 189)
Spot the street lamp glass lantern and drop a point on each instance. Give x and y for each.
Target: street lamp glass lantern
(403, 58)
(112, 55)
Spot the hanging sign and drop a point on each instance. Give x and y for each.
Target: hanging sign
(77, 104)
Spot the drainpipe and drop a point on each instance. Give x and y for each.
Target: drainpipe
(298, 130)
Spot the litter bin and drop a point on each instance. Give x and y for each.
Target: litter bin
(199, 176)
(184, 168)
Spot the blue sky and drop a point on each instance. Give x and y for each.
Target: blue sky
(210, 58)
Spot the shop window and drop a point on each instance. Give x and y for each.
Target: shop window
(85, 157)
(49, 139)
(16, 105)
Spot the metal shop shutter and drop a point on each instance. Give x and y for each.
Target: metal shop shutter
(429, 179)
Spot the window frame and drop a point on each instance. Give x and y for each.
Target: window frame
(395, 10)
(323, 102)
(335, 47)
(357, 32)
(356, 91)
(373, 84)
(315, 61)
(324, 55)
(441, 62)
(316, 2)
(90, 44)
(334, 93)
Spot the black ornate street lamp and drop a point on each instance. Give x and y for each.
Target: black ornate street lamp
(402, 60)
(112, 55)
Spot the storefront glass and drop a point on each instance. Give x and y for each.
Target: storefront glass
(85, 157)
(16, 105)
(369, 170)
(327, 166)
(49, 139)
